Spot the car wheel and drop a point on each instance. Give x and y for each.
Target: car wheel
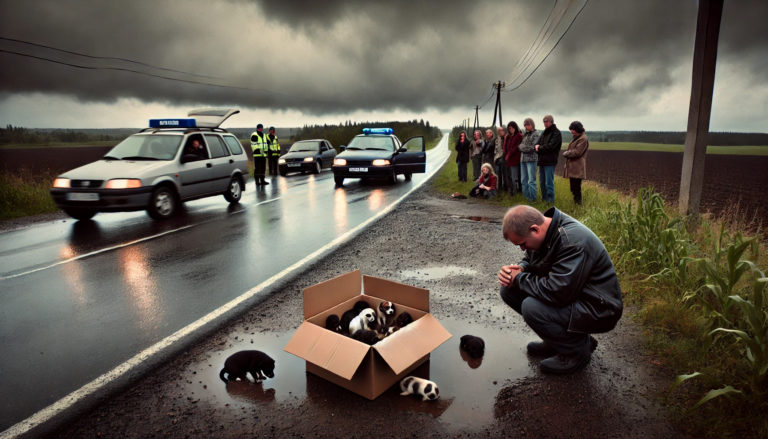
(393, 178)
(339, 181)
(80, 214)
(234, 191)
(318, 167)
(283, 173)
(407, 176)
(163, 203)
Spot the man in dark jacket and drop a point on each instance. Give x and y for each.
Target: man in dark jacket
(548, 150)
(565, 287)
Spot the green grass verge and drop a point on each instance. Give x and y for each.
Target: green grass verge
(674, 329)
(24, 193)
(658, 147)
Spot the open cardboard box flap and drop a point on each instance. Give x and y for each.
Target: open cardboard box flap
(334, 352)
(396, 292)
(406, 346)
(324, 295)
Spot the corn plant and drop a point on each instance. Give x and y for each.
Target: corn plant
(723, 273)
(753, 316)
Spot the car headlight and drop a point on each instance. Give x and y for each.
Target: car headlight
(381, 162)
(309, 159)
(339, 162)
(123, 183)
(280, 161)
(61, 183)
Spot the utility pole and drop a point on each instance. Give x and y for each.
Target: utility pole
(700, 109)
(477, 119)
(499, 86)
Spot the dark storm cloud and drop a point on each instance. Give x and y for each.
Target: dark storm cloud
(338, 56)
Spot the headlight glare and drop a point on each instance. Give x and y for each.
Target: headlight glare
(339, 162)
(61, 183)
(381, 162)
(309, 159)
(123, 183)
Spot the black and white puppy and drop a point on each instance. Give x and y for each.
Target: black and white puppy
(366, 320)
(474, 346)
(412, 385)
(237, 365)
(385, 316)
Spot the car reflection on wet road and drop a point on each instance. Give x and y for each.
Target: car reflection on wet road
(80, 298)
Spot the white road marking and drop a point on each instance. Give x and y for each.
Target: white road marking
(64, 403)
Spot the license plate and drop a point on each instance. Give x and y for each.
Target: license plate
(358, 169)
(294, 165)
(82, 196)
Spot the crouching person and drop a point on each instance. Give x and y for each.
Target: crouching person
(487, 184)
(565, 287)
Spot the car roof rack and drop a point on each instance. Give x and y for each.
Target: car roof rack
(212, 117)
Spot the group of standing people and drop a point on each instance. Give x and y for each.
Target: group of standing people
(265, 149)
(507, 160)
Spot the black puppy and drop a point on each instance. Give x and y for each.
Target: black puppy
(474, 346)
(240, 363)
(403, 319)
(366, 336)
(332, 323)
(360, 305)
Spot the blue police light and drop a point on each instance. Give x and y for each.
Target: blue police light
(172, 123)
(368, 131)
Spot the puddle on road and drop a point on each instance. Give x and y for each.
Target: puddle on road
(481, 219)
(468, 389)
(436, 273)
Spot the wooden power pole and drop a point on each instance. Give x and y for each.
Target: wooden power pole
(704, 60)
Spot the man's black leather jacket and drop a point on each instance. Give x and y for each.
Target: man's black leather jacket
(572, 268)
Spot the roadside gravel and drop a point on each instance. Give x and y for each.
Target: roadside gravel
(429, 241)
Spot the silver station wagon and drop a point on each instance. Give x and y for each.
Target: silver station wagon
(172, 161)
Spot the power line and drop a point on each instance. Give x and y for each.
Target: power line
(104, 57)
(534, 47)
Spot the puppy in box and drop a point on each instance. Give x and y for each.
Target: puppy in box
(385, 316)
(240, 363)
(366, 320)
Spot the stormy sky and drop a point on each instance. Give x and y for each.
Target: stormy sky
(624, 64)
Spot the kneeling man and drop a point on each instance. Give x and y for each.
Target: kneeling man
(565, 287)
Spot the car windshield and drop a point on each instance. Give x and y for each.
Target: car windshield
(308, 146)
(146, 147)
(382, 143)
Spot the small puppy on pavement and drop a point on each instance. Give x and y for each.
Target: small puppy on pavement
(412, 385)
(237, 365)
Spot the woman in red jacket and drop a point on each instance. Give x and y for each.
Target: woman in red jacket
(512, 156)
(486, 184)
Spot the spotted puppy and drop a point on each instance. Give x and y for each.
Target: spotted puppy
(412, 385)
(366, 320)
(386, 316)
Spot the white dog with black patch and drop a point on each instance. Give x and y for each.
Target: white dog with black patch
(412, 385)
(363, 321)
(386, 316)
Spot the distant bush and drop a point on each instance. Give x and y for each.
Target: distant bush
(20, 135)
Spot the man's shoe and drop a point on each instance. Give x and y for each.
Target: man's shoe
(564, 364)
(265, 183)
(540, 349)
(592, 344)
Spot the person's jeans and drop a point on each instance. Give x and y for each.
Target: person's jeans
(513, 176)
(501, 172)
(462, 170)
(528, 180)
(477, 162)
(547, 183)
(576, 190)
(548, 322)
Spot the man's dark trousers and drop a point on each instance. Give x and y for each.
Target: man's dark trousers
(548, 322)
(259, 168)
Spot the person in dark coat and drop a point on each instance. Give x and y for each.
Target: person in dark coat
(548, 149)
(512, 157)
(576, 159)
(489, 147)
(462, 155)
(565, 287)
(476, 152)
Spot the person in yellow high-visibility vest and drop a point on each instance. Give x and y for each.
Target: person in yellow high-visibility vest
(274, 151)
(259, 147)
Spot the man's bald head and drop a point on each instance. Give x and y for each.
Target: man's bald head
(519, 220)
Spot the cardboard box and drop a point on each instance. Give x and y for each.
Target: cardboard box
(353, 365)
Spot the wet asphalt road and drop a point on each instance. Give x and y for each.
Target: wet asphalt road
(79, 298)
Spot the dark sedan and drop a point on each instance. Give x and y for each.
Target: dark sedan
(307, 155)
(378, 153)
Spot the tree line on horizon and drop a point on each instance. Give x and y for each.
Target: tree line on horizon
(341, 134)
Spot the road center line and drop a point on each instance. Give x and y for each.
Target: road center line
(134, 362)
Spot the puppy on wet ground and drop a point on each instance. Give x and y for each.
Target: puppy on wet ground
(237, 365)
(412, 385)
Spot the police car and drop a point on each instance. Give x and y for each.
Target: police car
(172, 161)
(378, 153)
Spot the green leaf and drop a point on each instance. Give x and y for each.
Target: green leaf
(681, 378)
(714, 393)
